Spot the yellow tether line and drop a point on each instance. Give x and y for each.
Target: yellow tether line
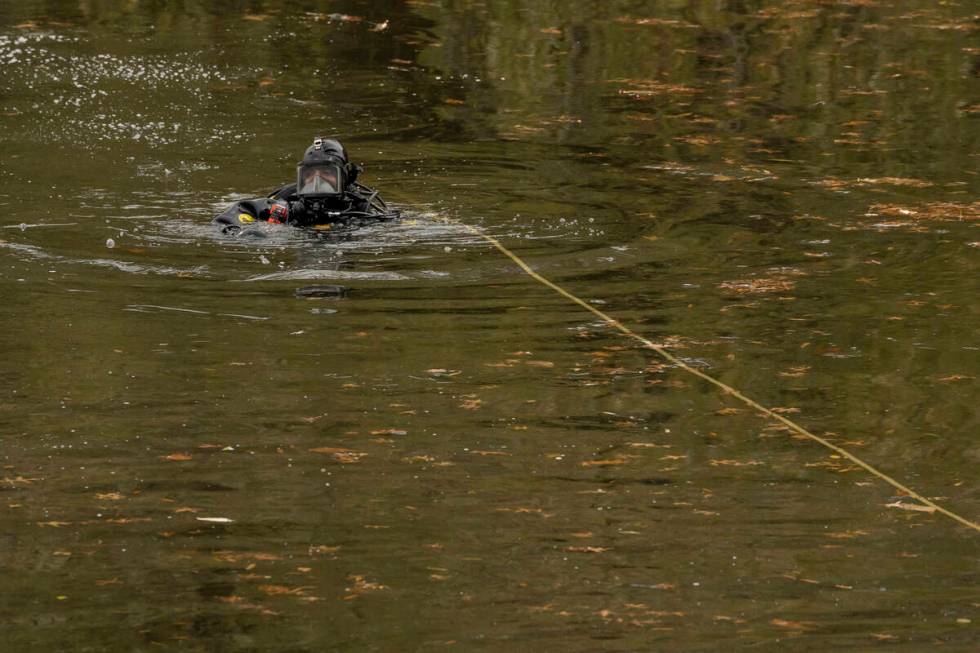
(613, 322)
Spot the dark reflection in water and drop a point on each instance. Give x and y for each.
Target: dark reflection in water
(390, 438)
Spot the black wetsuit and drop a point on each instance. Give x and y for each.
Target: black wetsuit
(284, 206)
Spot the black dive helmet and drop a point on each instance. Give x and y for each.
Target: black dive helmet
(324, 173)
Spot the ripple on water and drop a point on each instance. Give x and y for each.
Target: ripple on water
(101, 99)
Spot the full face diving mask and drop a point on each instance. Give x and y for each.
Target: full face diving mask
(322, 172)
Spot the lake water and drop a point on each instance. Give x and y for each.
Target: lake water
(202, 453)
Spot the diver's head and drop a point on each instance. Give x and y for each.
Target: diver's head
(324, 173)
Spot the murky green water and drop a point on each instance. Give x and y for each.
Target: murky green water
(452, 457)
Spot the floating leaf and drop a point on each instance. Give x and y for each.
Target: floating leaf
(608, 462)
(758, 286)
(845, 535)
(345, 456)
(280, 590)
(916, 507)
(110, 496)
(238, 556)
(361, 586)
(782, 623)
(322, 549)
(955, 377)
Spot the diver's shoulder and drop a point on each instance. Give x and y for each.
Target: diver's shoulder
(283, 192)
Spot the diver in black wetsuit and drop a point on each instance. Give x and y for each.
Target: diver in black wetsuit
(326, 192)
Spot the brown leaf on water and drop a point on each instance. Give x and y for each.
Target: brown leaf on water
(110, 496)
(537, 363)
(526, 511)
(124, 520)
(239, 556)
(361, 586)
(955, 377)
(837, 184)
(645, 89)
(845, 535)
(759, 285)
(608, 462)
(915, 507)
(701, 140)
(471, 404)
(896, 181)
(257, 18)
(281, 590)
(657, 22)
(795, 372)
(725, 617)
(241, 603)
(439, 371)
(349, 457)
(20, 480)
(729, 411)
(934, 211)
(797, 625)
(389, 432)
(53, 524)
(586, 549)
(323, 549)
(727, 462)
(177, 457)
(510, 362)
(345, 456)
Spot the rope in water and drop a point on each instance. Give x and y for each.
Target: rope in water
(793, 426)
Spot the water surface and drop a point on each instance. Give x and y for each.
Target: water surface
(204, 449)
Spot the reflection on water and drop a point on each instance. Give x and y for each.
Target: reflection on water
(390, 438)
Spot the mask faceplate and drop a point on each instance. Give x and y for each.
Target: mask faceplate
(316, 180)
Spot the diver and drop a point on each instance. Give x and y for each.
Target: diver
(326, 193)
